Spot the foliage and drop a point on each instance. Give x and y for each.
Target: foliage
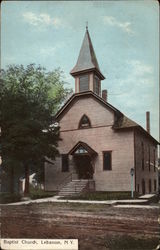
(9, 198)
(37, 193)
(29, 99)
(100, 196)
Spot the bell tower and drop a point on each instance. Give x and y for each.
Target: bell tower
(86, 72)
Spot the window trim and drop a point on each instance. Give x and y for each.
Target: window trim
(107, 151)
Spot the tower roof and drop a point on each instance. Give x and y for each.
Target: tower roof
(87, 60)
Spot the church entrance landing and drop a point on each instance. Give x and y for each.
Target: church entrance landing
(83, 156)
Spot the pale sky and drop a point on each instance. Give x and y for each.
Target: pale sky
(125, 39)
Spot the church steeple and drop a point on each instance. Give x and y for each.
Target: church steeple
(86, 71)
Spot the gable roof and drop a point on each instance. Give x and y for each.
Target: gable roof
(121, 121)
(87, 58)
(76, 96)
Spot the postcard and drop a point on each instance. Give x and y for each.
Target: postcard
(79, 125)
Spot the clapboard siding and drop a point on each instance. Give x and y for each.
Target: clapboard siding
(101, 137)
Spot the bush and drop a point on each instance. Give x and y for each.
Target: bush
(9, 198)
(37, 193)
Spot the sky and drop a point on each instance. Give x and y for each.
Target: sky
(125, 39)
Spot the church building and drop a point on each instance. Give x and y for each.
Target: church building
(100, 146)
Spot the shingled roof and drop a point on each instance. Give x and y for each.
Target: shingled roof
(87, 58)
(124, 122)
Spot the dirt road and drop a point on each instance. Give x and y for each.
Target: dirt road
(98, 227)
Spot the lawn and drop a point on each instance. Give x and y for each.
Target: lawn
(35, 193)
(102, 196)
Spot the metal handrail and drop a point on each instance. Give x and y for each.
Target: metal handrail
(63, 183)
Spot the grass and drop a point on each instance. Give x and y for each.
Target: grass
(35, 193)
(9, 198)
(130, 243)
(102, 196)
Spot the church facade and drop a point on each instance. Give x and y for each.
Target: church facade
(99, 142)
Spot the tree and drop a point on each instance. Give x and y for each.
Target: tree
(29, 99)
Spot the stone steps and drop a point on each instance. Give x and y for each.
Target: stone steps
(75, 187)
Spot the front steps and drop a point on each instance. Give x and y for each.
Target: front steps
(73, 188)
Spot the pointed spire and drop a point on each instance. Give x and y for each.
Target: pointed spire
(87, 25)
(87, 59)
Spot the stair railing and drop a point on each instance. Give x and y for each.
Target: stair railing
(64, 181)
(84, 188)
(87, 186)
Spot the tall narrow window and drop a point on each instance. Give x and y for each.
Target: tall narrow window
(142, 155)
(154, 160)
(143, 187)
(155, 185)
(83, 83)
(150, 186)
(65, 165)
(149, 160)
(84, 122)
(96, 85)
(107, 160)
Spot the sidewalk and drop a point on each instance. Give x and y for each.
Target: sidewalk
(57, 199)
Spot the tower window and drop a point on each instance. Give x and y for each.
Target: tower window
(84, 122)
(96, 85)
(107, 160)
(83, 83)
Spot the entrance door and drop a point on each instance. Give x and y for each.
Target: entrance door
(84, 167)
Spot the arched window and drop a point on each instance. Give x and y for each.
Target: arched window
(84, 122)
